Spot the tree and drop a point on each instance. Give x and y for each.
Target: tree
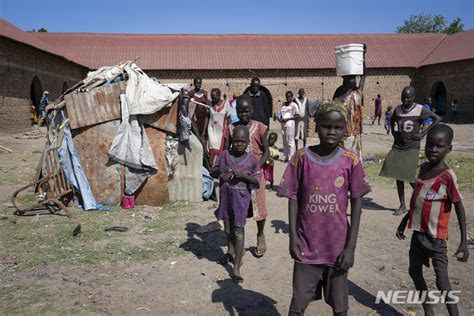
(427, 23)
(39, 30)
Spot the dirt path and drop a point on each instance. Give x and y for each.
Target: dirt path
(194, 284)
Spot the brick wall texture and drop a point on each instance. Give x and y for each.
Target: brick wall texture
(21, 64)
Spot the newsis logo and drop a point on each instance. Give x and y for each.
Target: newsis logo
(415, 297)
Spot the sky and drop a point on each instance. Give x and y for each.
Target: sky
(227, 16)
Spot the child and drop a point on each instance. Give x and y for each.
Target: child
(430, 208)
(258, 147)
(288, 114)
(322, 243)
(402, 161)
(388, 116)
(239, 173)
(274, 153)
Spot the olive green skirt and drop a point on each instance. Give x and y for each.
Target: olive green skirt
(401, 165)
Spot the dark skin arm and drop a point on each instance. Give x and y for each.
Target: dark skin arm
(436, 119)
(216, 172)
(462, 249)
(266, 150)
(246, 177)
(346, 258)
(401, 228)
(292, 218)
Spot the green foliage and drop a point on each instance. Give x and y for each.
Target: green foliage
(427, 23)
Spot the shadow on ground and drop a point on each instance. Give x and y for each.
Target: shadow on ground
(239, 301)
(369, 204)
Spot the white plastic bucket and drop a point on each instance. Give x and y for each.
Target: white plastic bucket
(349, 59)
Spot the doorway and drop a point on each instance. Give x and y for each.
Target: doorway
(439, 97)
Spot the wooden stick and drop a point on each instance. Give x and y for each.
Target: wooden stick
(199, 103)
(9, 150)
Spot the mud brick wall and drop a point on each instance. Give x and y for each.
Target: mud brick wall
(457, 77)
(318, 84)
(20, 65)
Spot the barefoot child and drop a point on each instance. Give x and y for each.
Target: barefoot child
(317, 183)
(258, 148)
(274, 153)
(239, 173)
(430, 208)
(402, 160)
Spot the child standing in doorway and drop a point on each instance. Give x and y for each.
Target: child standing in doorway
(401, 162)
(239, 173)
(274, 154)
(430, 208)
(317, 183)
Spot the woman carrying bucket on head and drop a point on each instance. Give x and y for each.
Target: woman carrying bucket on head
(350, 62)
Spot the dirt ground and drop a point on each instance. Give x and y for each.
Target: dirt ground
(193, 283)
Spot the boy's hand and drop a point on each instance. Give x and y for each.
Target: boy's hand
(224, 169)
(401, 228)
(462, 250)
(239, 174)
(345, 259)
(294, 249)
(415, 137)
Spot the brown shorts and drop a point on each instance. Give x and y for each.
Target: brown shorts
(310, 280)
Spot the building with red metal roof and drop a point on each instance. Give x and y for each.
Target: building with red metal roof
(437, 65)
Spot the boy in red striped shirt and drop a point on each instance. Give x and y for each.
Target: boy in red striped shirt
(430, 207)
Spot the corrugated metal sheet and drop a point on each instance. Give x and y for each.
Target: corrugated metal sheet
(240, 51)
(459, 46)
(166, 119)
(99, 105)
(105, 177)
(187, 181)
(155, 189)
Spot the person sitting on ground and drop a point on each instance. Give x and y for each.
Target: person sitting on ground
(430, 209)
(317, 183)
(402, 160)
(239, 173)
(274, 154)
(258, 147)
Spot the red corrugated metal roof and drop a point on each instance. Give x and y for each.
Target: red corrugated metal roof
(245, 51)
(459, 46)
(240, 51)
(12, 32)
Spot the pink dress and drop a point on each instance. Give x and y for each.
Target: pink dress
(257, 130)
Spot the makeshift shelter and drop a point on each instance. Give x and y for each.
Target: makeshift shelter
(119, 133)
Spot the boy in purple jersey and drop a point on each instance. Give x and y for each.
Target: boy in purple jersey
(317, 182)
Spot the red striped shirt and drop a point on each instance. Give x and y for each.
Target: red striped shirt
(430, 204)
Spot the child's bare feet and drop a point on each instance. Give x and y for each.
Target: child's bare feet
(401, 210)
(236, 277)
(261, 246)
